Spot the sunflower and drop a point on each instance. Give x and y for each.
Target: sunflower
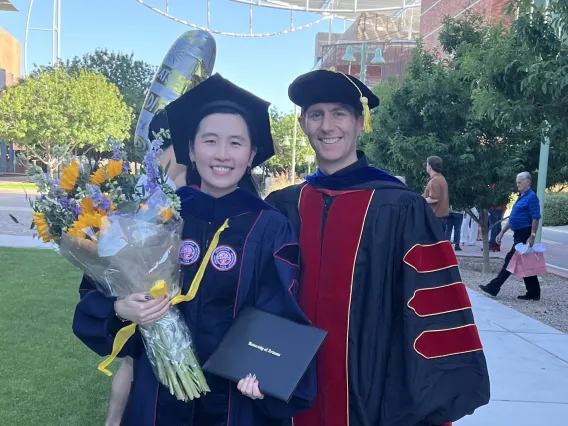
(69, 176)
(108, 172)
(114, 168)
(87, 205)
(93, 221)
(42, 226)
(166, 214)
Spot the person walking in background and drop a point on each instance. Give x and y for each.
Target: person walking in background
(495, 217)
(470, 228)
(455, 220)
(524, 224)
(436, 192)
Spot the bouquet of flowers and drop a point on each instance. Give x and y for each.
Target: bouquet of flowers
(125, 237)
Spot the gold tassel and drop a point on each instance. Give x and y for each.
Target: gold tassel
(367, 126)
(367, 122)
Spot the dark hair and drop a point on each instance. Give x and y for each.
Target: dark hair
(192, 175)
(436, 163)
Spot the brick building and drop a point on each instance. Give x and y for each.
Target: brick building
(10, 73)
(434, 11)
(381, 43)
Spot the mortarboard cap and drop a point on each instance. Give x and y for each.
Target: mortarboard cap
(323, 86)
(215, 94)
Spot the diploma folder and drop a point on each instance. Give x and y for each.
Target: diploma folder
(277, 350)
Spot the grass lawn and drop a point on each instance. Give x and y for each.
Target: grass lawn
(48, 377)
(18, 185)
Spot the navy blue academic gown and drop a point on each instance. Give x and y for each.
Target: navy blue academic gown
(254, 264)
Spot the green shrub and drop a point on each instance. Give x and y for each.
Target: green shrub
(556, 209)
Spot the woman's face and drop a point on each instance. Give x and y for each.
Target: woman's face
(222, 152)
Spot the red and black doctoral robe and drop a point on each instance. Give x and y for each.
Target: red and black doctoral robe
(379, 276)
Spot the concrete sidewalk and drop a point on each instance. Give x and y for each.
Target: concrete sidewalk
(528, 367)
(22, 241)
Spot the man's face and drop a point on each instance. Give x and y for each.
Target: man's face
(332, 130)
(523, 184)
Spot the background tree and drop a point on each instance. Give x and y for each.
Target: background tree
(283, 126)
(431, 113)
(54, 114)
(132, 77)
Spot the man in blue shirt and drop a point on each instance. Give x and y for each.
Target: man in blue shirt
(523, 221)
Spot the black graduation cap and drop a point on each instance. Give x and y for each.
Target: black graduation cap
(186, 112)
(323, 86)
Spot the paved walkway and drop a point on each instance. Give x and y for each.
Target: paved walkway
(528, 362)
(528, 367)
(22, 241)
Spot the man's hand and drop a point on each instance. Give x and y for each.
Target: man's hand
(142, 309)
(530, 241)
(249, 387)
(498, 238)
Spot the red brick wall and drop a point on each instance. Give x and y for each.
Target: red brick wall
(433, 12)
(10, 58)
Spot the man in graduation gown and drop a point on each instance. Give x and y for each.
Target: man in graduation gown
(378, 275)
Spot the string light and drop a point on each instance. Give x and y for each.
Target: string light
(251, 34)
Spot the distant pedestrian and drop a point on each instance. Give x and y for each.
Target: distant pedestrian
(454, 224)
(436, 192)
(524, 224)
(470, 227)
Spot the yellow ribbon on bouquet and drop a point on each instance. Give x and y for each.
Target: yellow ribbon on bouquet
(159, 289)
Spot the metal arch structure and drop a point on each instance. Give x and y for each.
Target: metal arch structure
(347, 10)
(55, 33)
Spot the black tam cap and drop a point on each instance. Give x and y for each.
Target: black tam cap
(217, 94)
(323, 86)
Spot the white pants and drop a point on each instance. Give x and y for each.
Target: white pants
(469, 228)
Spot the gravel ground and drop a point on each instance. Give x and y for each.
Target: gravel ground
(551, 309)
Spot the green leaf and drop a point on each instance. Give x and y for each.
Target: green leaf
(167, 167)
(13, 218)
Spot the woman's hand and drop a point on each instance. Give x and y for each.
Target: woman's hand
(249, 387)
(141, 308)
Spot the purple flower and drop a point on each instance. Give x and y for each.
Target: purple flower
(104, 204)
(117, 152)
(63, 202)
(54, 186)
(100, 201)
(78, 211)
(151, 167)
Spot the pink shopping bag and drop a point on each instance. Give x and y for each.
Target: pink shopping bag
(527, 265)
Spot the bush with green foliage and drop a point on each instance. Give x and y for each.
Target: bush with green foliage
(556, 209)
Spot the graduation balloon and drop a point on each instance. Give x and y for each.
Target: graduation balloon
(189, 61)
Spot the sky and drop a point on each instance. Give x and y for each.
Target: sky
(263, 65)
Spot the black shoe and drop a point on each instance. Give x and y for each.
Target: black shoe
(458, 248)
(528, 297)
(487, 290)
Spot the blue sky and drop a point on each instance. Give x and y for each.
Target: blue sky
(264, 66)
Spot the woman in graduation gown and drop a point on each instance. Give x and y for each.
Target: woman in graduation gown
(219, 131)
